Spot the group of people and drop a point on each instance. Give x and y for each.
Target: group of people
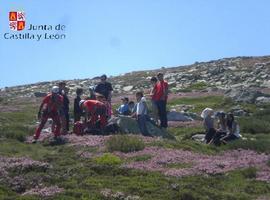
(95, 110)
(224, 130)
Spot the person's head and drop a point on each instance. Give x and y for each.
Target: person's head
(55, 90)
(139, 95)
(125, 100)
(153, 80)
(62, 85)
(100, 97)
(103, 78)
(81, 104)
(79, 91)
(66, 90)
(131, 105)
(160, 76)
(230, 117)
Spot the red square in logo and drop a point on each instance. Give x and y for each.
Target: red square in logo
(12, 16)
(20, 25)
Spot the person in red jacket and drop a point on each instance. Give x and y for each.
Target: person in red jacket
(160, 96)
(50, 108)
(94, 110)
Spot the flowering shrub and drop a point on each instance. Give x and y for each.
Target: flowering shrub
(168, 161)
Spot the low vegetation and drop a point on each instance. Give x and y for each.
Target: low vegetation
(124, 143)
(102, 170)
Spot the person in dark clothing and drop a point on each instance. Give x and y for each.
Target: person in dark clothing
(104, 88)
(77, 109)
(66, 108)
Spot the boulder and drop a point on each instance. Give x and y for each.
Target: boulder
(244, 95)
(129, 125)
(40, 94)
(128, 88)
(262, 100)
(178, 116)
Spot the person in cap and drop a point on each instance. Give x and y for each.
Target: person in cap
(160, 96)
(124, 108)
(50, 108)
(208, 123)
(77, 110)
(94, 111)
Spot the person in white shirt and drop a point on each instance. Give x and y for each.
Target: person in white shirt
(141, 113)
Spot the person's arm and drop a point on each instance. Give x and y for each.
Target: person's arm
(165, 91)
(40, 108)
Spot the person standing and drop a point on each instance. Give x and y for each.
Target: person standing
(77, 109)
(50, 108)
(105, 88)
(153, 97)
(160, 96)
(141, 113)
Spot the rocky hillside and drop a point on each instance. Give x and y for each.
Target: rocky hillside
(227, 75)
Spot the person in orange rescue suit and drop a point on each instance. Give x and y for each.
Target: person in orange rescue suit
(50, 108)
(94, 111)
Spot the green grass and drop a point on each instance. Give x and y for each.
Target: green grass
(84, 178)
(200, 103)
(19, 124)
(179, 165)
(108, 159)
(140, 158)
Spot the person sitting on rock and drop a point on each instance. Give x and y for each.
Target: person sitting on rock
(94, 111)
(233, 129)
(77, 109)
(208, 123)
(141, 113)
(131, 107)
(124, 109)
(50, 108)
(221, 130)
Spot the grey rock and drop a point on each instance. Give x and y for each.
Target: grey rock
(128, 88)
(40, 94)
(262, 100)
(244, 95)
(178, 116)
(129, 125)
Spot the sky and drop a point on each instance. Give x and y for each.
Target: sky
(118, 36)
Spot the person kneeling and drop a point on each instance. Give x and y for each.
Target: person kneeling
(95, 113)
